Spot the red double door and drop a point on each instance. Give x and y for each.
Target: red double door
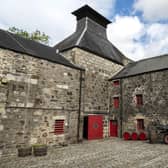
(113, 128)
(95, 127)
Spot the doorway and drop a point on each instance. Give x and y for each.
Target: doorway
(93, 127)
(113, 128)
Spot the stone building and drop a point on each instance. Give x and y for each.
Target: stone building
(47, 99)
(88, 47)
(40, 94)
(82, 88)
(140, 94)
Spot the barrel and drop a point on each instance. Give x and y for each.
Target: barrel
(142, 136)
(126, 136)
(40, 150)
(134, 136)
(24, 151)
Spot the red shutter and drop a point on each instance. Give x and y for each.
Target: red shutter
(59, 127)
(140, 124)
(116, 102)
(139, 100)
(116, 83)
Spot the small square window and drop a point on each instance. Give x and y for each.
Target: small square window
(116, 102)
(139, 100)
(140, 124)
(116, 83)
(59, 127)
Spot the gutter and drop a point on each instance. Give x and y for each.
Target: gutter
(80, 101)
(121, 108)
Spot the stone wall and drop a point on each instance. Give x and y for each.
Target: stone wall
(33, 94)
(96, 90)
(154, 89)
(98, 71)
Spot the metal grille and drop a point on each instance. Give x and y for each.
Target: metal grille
(59, 127)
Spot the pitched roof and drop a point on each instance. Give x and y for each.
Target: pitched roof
(143, 66)
(91, 36)
(32, 48)
(92, 43)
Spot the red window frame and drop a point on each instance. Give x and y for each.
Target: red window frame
(139, 100)
(140, 124)
(59, 127)
(116, 83)
(116, 102)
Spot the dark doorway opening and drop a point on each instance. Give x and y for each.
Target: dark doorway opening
(85, 127)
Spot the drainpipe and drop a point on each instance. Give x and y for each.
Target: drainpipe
(80, 99)
(121, 108)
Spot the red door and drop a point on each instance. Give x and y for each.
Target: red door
(95, 127)
(113, 128)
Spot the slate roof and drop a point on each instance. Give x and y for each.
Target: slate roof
(143, 66)
(91, 37)
(19, 44)
(93, 43)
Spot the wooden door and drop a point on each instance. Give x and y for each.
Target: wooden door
(113, 128)
(95, 127)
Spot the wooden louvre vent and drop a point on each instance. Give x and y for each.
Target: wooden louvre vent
(59, 127)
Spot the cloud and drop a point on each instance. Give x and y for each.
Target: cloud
(136, 39)
(125, 32)
(152, 10)
(157, 39)
(52, 17)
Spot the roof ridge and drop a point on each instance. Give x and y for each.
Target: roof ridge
(83, 32)
(153, 57)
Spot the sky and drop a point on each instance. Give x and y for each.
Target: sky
(139, 28)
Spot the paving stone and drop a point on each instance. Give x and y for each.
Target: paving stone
(110, 153)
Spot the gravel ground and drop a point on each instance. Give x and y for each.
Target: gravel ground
(110, 153)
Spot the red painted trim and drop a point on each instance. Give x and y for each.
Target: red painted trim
(116, 102)
(116, 83)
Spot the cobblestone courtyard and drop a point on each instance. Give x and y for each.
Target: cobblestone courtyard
(111, 153)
